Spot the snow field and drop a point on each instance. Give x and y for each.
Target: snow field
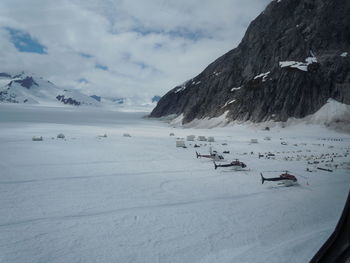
(141, 199)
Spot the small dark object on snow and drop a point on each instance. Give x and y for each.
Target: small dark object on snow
(324, 169)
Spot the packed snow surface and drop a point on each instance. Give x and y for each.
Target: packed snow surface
(92, 198)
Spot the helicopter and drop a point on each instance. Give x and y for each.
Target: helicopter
(284, 178)
(237, 165)
(213, 155)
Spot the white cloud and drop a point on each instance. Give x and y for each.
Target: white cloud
(148, 46)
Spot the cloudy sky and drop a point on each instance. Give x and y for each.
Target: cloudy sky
(120, 47)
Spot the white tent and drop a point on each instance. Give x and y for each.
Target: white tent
(60, 136)
(254, 141)
(191, 138)
(180, 143)
(202, 138)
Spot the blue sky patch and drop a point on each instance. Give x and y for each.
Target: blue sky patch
(180, 32)
(99, 66)
(84, 55)
(145, 66)
(25, 43)
(142, 65)
(83, 80)
(158, 45)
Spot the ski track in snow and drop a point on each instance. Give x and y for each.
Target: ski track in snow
(128, 209)
(98, 176)
(140, 199)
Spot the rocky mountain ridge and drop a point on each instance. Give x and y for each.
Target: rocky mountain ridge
(292, 59)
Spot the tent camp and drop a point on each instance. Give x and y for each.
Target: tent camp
(180, 143)
(37, 138)
(191, 138)
(202, 138)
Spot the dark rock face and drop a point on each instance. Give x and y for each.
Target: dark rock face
(27, 82)
(98, 98)
(69, 101)
(292, 59)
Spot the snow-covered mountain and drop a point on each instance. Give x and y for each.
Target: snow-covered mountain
(292, 59)
(133, 100)
(132, 103)
(27, 88)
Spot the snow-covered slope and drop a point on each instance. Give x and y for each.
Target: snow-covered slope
(31, 89)
(333, 114)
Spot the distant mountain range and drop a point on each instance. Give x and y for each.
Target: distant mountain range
(127, 101)
(28, 88)
(294, 57)
(156, 98)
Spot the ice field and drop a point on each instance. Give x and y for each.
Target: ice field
(89, 198)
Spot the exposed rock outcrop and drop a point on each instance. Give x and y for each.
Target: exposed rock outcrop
(27, 82)
(69, 101)
(292, 59)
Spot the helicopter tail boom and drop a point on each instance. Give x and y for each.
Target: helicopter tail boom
(262, 178)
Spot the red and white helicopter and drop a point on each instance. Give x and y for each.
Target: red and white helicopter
(285, 178)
